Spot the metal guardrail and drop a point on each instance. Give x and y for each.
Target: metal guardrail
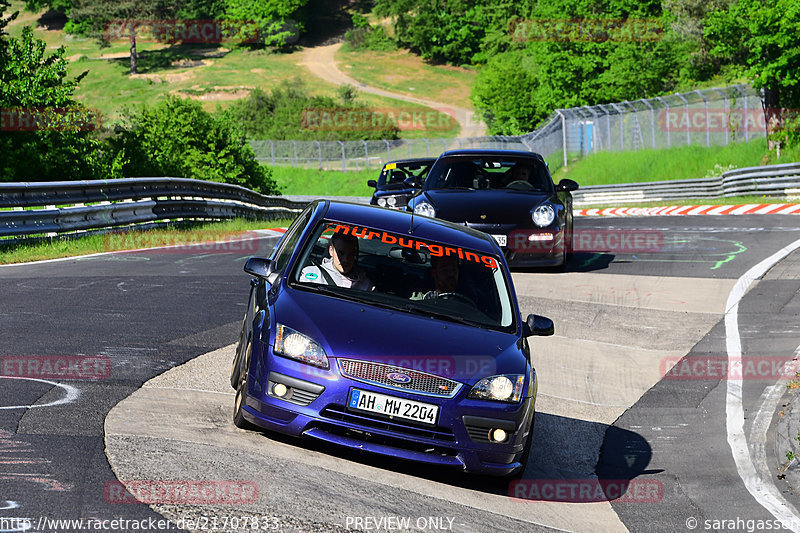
(771, 180)
(73, 206)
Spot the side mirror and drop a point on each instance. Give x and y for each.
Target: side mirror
(411, 182)
(540, 326)
(567, 185)
(372, 183)
(258, 267)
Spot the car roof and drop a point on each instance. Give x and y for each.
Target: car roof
(395, 221)
(472, 152)
(411, 160)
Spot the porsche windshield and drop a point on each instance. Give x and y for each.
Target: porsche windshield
(405, 273)
(488, 172)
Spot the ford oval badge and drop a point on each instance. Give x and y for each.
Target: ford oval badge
(397, 377)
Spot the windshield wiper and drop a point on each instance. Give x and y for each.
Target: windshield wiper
(424, 311)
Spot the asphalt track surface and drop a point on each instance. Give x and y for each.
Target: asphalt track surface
(605, 409)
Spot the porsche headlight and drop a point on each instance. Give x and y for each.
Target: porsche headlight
(382, 202)
(504, 388)
(424, 209)
(289, 343)
(392, 201)
(543, 215)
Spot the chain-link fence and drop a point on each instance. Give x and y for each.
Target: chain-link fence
(703, 117)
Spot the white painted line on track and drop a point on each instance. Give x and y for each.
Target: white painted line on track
(764, 491)
(71, 395)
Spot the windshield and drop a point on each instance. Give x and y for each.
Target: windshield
(394, 174)
(399, 271)
(489, 172)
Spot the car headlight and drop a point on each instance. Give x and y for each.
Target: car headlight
(382, 202)
(425, 209)
(289, 343)
(505, 388)
(543, 215)
(392, 201)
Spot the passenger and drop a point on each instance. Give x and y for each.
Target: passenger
(341, 268)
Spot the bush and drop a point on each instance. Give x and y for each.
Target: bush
(363, 36)
(178, 138)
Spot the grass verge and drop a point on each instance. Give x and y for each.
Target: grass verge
(191, 233)
(313, 181)
(684, 162)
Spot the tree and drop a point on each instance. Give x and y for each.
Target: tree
(40, 138)
(178, 138)
(762, 36)
(108, 19)
(279, 21)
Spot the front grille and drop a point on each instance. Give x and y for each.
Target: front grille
(377, 374)
(337, 412)
(478, 434)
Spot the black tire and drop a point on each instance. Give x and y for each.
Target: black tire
(241, 391)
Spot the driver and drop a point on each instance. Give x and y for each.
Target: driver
(341, 268)
(444, 271)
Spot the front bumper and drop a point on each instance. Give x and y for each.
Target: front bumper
(534, 247)
(318, 409)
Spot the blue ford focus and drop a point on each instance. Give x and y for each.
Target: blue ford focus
(391, 333)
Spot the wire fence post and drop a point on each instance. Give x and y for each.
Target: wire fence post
(344, 159)
(725, 113)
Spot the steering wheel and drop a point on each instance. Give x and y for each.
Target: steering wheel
(520, 185)
(456, 296)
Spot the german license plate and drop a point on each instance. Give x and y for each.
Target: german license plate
(392, 406)
(500, 239)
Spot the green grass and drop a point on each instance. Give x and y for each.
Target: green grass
(324, 182)
(405, 73)
(214, 75)
(686, 162)
(126, 240)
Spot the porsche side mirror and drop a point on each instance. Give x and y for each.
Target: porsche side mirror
(567, 185)
(372, 183)
(259, 267)
(540, 326)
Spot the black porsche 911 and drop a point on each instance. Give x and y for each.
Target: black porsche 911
(508, 194)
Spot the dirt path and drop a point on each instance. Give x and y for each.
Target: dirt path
(320, 61)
